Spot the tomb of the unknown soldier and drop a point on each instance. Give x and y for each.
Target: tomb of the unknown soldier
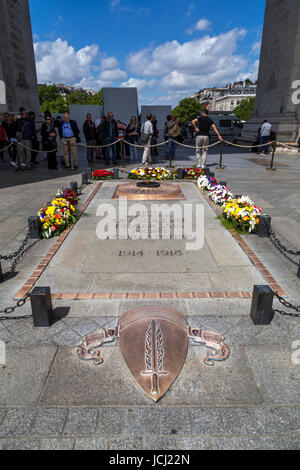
(149, 229)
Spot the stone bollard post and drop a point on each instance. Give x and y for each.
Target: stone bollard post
(263, 226)
(298, 273)
(262, 312)
(180, 173)
(34, 227)
(41, 306)
(74, 187)
(116, 173)
(85, 179)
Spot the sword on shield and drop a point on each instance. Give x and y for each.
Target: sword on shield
(154, 355)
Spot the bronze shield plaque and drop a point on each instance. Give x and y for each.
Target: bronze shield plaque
(154, 343)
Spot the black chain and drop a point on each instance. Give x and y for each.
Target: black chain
(9, 310)
(19, 251)
(287, 304)
(283, 249)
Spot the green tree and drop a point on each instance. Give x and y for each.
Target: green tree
(246, 109)
(187, 110)
(51, 100)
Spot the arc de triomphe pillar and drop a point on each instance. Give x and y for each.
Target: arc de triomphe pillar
(279, 70)
(18, 81)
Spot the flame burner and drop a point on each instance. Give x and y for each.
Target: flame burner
(149, 191)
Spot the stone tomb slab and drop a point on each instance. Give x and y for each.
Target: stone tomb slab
(84, 263)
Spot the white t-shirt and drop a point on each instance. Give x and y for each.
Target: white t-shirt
(266, 129)
(148, 128)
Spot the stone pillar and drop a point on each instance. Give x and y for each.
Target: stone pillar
(279, 69)
(18, 81)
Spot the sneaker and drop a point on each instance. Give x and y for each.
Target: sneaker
(12, 163)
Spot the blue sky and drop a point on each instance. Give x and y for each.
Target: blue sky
(169, 49)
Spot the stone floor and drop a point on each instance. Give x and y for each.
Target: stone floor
(49, 399)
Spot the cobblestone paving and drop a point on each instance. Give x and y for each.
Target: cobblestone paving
(144, 428)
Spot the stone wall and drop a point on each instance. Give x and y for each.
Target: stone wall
(17, 63)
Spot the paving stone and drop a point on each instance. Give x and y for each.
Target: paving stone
(268, 421)
(81, 422)
(6, 336)
(85, 327)
(289, 443)
(175, 421)
(228, 443)
(261, 443)
(237, 421)
(194, 443)
(22, 379)
(22, 444)
(278, 377)
(17, 422)
(91, 443)
(113, 421)
(214, 323)
(291, 417)
(49, 422)
(124, 443)
(67, 338)
(57, 444)
(2, 414)
(144, 421)
(2, 443)
(159, 443)
(206, 421)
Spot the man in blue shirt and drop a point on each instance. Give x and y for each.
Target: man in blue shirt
(69, 134)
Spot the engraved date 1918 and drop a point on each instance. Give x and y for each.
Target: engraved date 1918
(159, 253)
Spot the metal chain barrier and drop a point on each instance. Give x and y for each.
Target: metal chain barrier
(288, 305)
(9, 310)
(19, 251)
(282, 248)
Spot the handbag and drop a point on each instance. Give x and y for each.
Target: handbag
(144, 138)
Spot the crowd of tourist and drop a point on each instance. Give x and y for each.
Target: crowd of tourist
(106, 139)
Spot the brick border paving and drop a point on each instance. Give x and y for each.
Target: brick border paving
(153, 295)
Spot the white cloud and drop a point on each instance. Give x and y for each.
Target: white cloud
(197, 57)
(109, 63)
(256, 47)
(113, 75)
(140, 84)
(202, 25)
(58, 61)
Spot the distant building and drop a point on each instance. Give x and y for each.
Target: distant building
(232, 96)
(225, 98)
(65, 90)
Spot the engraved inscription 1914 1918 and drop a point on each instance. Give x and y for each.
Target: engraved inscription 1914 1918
(154, 343)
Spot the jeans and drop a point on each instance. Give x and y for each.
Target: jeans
(110, 149)
(173, 143)
(263, 140)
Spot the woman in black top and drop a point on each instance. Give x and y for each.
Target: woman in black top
(49, 142)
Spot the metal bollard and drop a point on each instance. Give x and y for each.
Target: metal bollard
(85, 179)
(221, 167)
(180, 173)
(262, 312)
(74, 187)
(89, 172)
(272, 168)
(34, 227)
(1, 273)
(263, 226)
(116, 173)
(298, 273)
(41, 306)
